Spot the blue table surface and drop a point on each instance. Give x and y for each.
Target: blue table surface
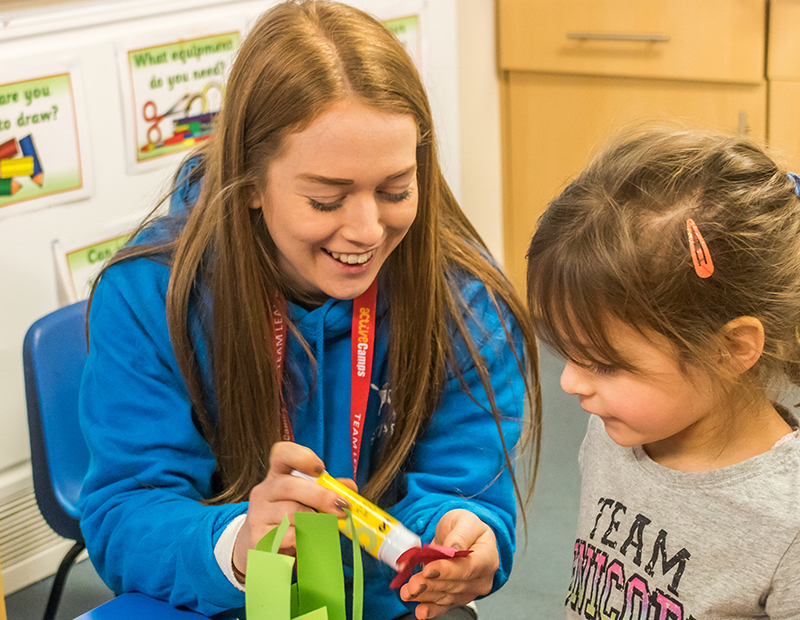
(136, 606)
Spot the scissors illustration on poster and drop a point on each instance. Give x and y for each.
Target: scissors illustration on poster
(172, 90)
(41, 146)
(187, 128)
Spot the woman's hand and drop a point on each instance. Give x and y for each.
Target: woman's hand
(445, 584)
(282, 494)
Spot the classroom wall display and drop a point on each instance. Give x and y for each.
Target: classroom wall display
(172, 86)
(80, 257)
(406, 29)
(43, 147)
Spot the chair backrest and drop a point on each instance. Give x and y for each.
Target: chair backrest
(54, 354)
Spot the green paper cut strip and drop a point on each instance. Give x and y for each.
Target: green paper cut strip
(319, 592)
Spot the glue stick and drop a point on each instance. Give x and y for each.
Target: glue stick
(379, 533)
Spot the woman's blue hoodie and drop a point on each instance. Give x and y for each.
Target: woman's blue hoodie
(143, 519)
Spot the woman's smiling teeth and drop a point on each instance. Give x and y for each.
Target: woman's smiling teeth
(352, 259)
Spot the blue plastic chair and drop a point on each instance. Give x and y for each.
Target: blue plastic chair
(53, 354)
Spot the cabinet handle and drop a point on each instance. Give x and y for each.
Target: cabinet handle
(602, 36)
(743, 128)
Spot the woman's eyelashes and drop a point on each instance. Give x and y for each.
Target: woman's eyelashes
(335, 204)
(388, 196)
(326, 206)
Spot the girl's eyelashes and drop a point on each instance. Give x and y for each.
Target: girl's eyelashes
(601, 369)
(596, 368)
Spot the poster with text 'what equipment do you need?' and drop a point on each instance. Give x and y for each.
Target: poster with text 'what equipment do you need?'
(172, 87)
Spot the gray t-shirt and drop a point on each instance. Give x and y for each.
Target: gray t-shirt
(659, 544)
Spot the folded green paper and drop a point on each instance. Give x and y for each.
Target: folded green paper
(319, 592)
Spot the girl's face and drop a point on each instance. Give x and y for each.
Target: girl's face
(340, 198)
(658, 403)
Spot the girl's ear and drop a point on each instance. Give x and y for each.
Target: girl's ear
(744, 343)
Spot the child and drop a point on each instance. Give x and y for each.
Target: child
(668, 277)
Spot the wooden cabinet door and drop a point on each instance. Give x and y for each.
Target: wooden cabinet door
(783, 71)
(783, 57)
(784, 123)
(704, 40)
(553, 123)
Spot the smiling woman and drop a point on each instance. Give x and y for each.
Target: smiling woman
(222, 338)
(340, 198)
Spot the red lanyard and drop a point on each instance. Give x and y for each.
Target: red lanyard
(279, 347)
(362, 340)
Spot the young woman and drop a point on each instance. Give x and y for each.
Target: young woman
(230, 343)
(668, 276)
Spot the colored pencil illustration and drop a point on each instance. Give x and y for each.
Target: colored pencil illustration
(200, 118)
(175, 139)
(9, 187)
(186, 130)
(17, 167)
(8, 149)
(29, 150)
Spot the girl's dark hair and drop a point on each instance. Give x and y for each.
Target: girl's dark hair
(614, 245)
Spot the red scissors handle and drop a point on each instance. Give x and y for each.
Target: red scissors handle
(150, 114)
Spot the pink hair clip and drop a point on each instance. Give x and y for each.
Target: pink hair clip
(703, 265)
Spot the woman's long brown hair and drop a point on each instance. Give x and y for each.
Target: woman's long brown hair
(299, 58)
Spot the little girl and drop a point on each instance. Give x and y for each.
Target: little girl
(667, 275)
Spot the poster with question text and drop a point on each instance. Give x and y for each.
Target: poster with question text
(172, 88)
(80, 257)
(407, 31)
(42, 141)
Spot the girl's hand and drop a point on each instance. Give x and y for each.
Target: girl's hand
(445, 584)
(282, 494)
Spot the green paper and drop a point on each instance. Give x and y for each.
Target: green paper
(268, 586)
(296, 602)
(319, 564)
(319, 591)
(269, 576)
(279, 534)
(317, 614)
(358, 572)
(271, 541)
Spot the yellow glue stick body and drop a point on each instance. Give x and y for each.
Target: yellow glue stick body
(379, 533)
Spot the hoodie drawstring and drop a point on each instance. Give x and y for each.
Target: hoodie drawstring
(320, 380)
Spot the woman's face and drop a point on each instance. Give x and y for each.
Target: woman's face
(341, 197)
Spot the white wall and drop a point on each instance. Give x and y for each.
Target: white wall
(459, 73)
(479, 104)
